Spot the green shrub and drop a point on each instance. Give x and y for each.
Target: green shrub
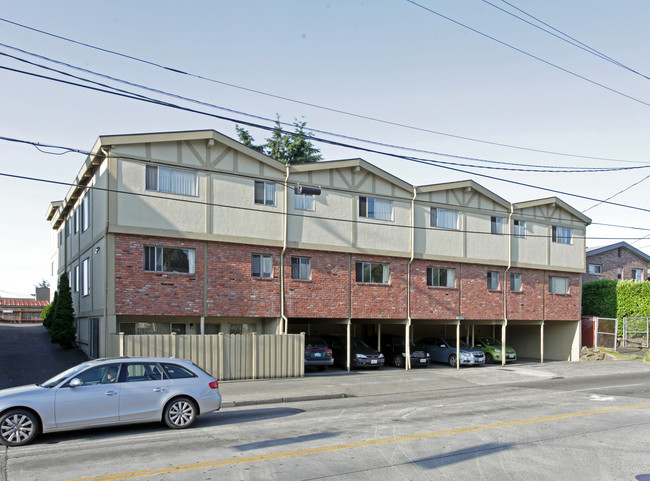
(599, 298)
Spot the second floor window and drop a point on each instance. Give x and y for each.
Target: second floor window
(441, 277)
(637, 274)
(85, 277)
(595, 269)
(497, 224)
(372, 272)
(168, 259)
(301, 268)
(558, 285)
(519, 228)
(264, 192)
(373, 208)
(85, 213)
(262, 265)
(493, 281)
(562, 235)
(172, 181)
(445, 218)
(515, 281)
(303, 202)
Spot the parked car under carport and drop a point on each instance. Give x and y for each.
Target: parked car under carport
(394, 350)
(444, 350)
(361, 354)
(492, 349)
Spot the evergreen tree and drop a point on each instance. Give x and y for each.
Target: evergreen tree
(48, 313)
(293, 148)
(63, 331)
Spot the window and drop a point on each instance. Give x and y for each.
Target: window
(242, 328)
(372, 272)
(142, 371)
(261, 265)
(515, 282)
(445, 218)
(620, 273)
(179, 327)
(558, 285)
(172, 181)
(85, 277)
(373, 208)
(68, 227)
(168, 259)
(104, 374)
(174, 371)
(637, 274)
(595, 269)
(85, 213)
(75, 221)
(60, 237)
(497, 225)
(303, 202)
(519, 228)
(493, 280)
(301, 268)
(441, 277)
(264, 193)
(76, 278)
(562, 235)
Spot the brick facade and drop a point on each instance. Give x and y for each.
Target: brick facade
(331, 293)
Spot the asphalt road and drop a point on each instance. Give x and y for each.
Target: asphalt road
(591, 428)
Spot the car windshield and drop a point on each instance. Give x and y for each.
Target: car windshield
(452, 342)
(358, 343)
(65, 374)
(315, 343)
(490, 341)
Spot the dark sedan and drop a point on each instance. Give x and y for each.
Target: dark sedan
(317, 353)
(394, 349)
(361, 354)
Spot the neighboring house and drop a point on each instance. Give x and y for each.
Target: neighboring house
(616, 261)
(21, 310)
(192, 232)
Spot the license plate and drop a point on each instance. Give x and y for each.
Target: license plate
(318, 354)
(511, 357)
(423, 361)
(373, 361)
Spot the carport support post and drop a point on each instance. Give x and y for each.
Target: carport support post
(541, 343)
(407, 346)
(121, 343)
(347, 344)
(458, 344)
(503, 342)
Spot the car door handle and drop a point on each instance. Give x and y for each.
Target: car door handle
(110, 393)
(158, 389)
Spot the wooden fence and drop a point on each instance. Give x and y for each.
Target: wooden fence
(224, 356)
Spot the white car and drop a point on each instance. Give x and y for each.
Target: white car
(106, 392)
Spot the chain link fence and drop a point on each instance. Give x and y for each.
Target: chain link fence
(636, 332)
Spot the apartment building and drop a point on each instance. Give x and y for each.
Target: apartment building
(620, 261)
(192, 232)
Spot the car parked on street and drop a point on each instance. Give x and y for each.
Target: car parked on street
(442, 349)
(106, 392)
(317, 353)
(394, 350)
(492, 349)
(361, 354)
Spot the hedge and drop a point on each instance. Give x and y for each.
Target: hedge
(599, 298)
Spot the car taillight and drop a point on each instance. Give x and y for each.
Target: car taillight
(214, 385)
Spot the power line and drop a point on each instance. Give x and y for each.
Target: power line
(618, 193)
(288, 99)
(551, 64)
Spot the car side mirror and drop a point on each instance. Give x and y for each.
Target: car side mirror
(442, 345)
(76, 382)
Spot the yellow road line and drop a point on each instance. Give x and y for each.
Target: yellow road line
(359, 444)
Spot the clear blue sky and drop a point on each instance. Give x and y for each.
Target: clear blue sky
(389, 60)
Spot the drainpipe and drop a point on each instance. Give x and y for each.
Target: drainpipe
(505, 291)
(285, 321)
(407, 340)
(106, 151)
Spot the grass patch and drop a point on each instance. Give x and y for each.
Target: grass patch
(618, 355)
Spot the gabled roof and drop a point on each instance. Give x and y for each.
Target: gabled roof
(553, 200)
(466, 184)
(618, 245)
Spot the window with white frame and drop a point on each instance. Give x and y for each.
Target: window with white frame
(558, 285)
(372, 272)
(303, 202)
(261, 265)
(519, 228)
(170, 180)
(596, 269)
(437, 277)
(85, 277)
(515, 281)
(637, 274)
(169, 259)
(619, 273)
(562, 235)
(264, 192)
(75, 221)
(444, 218)
(493, 280)
(85, 213)
(374, 208)
(497, 225)
(301, 268)
(76, 278)
(68, 227)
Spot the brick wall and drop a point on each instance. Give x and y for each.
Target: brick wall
(233, 292)
(613, 259)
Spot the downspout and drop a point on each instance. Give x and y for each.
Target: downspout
(407, 340)
(285, 321)
(107, 153)
(505, 290)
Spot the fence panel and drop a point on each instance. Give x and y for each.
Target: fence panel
(636, 331)
(225, 356)
(606, 332)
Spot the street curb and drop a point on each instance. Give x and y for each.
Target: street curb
(280, 400)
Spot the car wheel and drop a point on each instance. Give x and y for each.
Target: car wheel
(18, 427)
(398, 361)
(488, 358)
(452, 360)
(180, 413)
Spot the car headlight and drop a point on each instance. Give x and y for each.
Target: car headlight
(497, 350)
(428, 355)
(381, 356)
(464, 355)
(362, 356)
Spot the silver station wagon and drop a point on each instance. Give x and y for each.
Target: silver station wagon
(106, 392)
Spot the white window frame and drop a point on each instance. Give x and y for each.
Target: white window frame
(493, 281)
(637, 275)
(562, 235)
(444, 218)
(558, 285)
(366, 272)
(595, 269)
(301, 268)
(85, 213)
(436, 275)
(262, 266)
(156, 255)
(75, 221)
(374, 208)
(515, 281)
(304, 202)
(85, 276)
(267, 191)
(519, 228)
(76, 278)
(497, 225)
(174, 184)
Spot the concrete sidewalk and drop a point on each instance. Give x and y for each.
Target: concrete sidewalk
(336, 383)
